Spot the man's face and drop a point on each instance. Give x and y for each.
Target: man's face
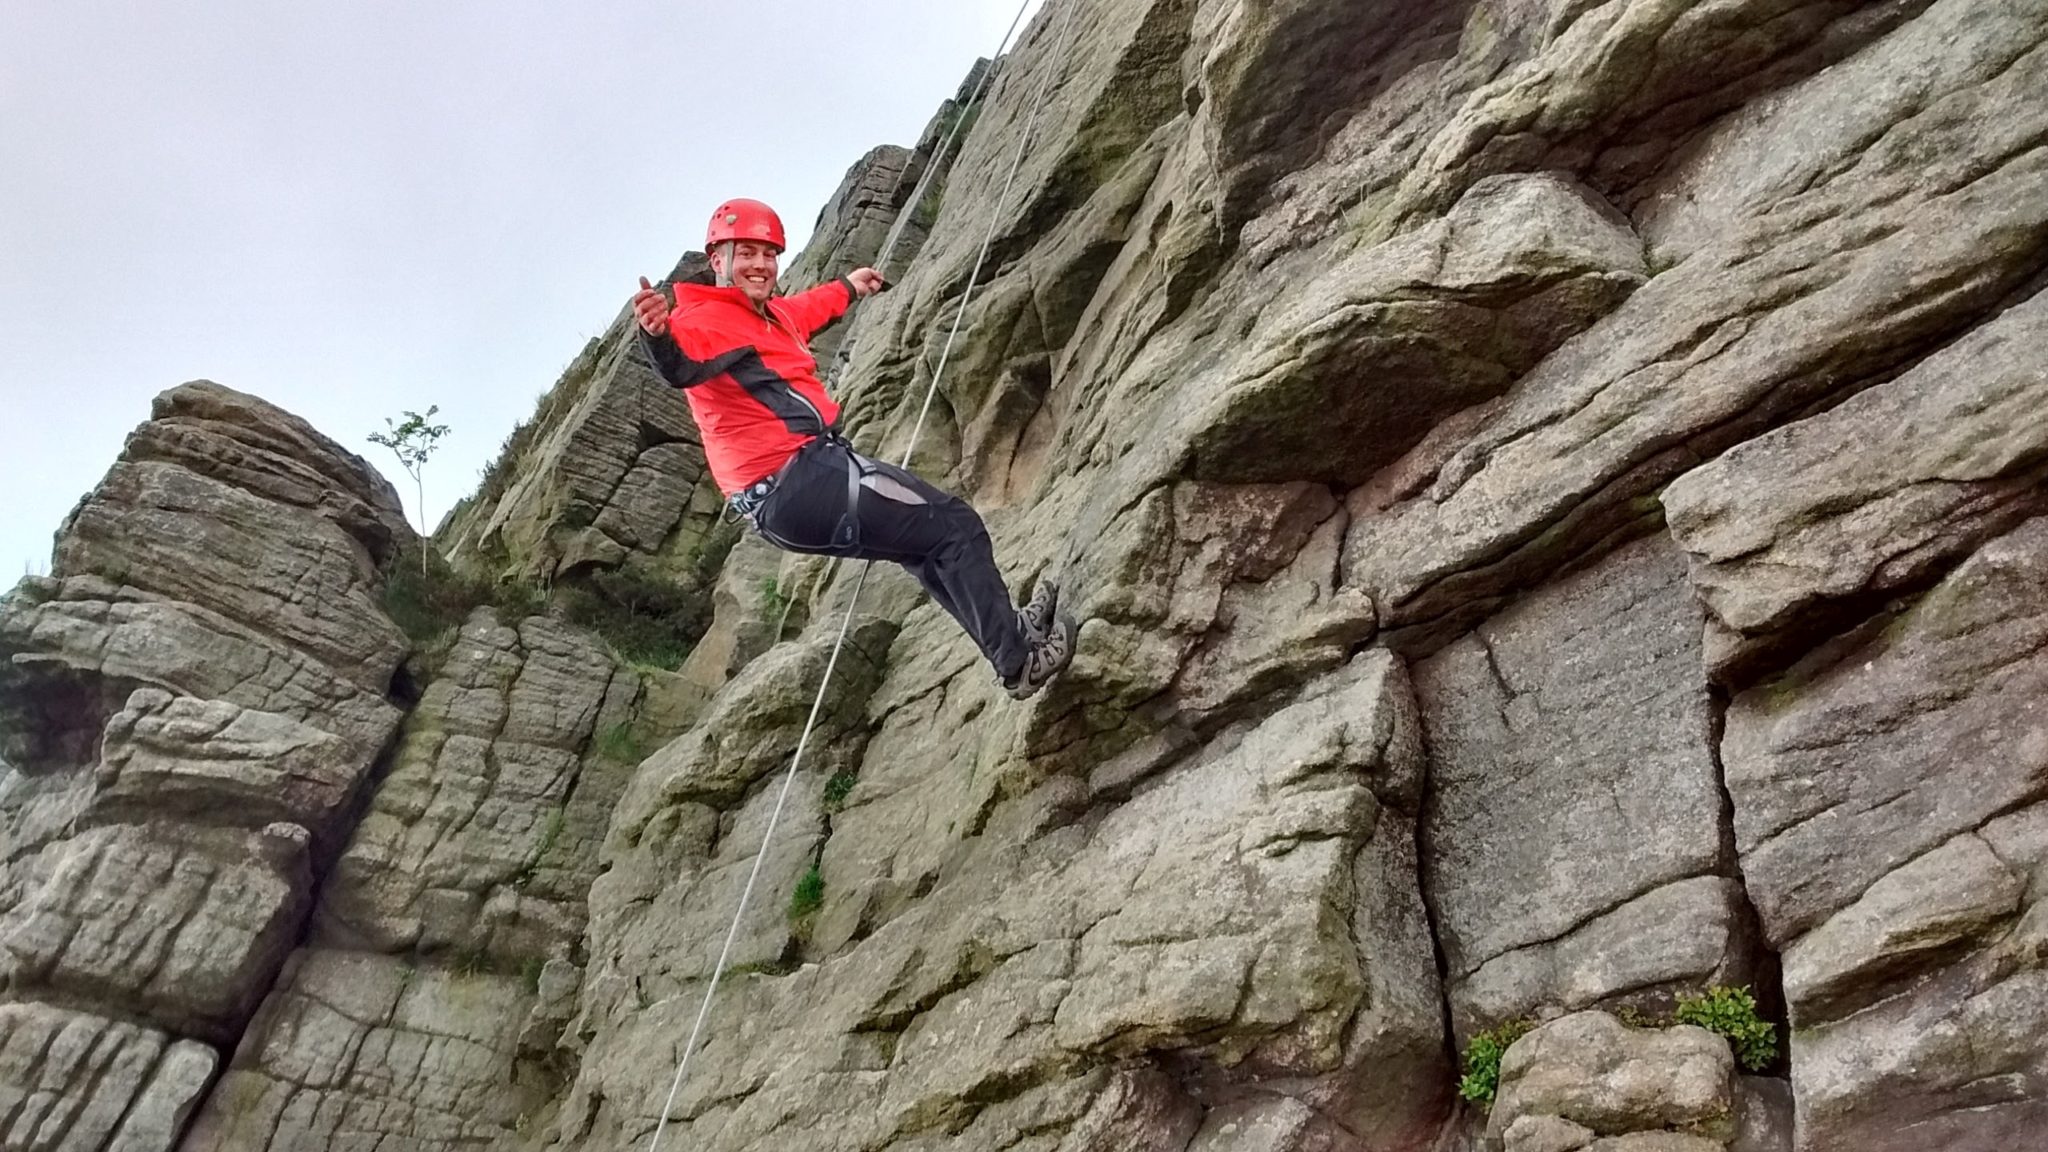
(753, 269)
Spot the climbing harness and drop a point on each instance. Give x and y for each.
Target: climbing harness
(846, 624)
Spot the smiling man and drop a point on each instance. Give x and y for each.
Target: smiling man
(742, 355)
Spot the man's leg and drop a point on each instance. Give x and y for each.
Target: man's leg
(933, 534)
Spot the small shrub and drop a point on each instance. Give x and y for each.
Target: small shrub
(837, 789)
(1482, 1060)
(429, 600)
(773, 601)
(646, 617)
(1731, 1012)
(530, 970)
(1634, 1017)
(809, 895)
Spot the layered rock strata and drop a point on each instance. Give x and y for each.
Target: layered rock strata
(1554, 497)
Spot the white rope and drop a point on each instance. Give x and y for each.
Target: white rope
(846, 625)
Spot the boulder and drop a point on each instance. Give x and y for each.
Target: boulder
(1645, 1089)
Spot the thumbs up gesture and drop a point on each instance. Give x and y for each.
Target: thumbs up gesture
(650, 308)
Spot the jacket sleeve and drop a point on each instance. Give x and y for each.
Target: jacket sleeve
(675, 366)
(814, 310)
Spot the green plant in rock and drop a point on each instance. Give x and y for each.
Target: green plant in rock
(645, 616)
(809, 895)
(1731, 1012)
(427, 603)
(837, 789)
(1482, 1060)
(530, 971)
(550, 833)
(413, 440)
(773, 601)
(623, 742)
(1634, 1017)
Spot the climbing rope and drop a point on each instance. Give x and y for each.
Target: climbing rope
(846, 625)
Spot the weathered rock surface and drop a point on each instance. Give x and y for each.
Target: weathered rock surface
(71, 1081)
(360, 1051)
(1616, 88)
(1871, 497)
(1342, 376)
(1603, 359)
(183, 925)
(217, 762)
(1573, 860)
(1588, 1075)
(609, 468)
(447, 950)
(77, 647)
(1887, 806)
(1826, 289)
(193, 703)
(482, 839)
(231, 553)
(1127, 933)
(201, 689)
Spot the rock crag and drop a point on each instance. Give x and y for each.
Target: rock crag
(1557, 498)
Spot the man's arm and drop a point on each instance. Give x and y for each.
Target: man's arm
(813, 310)
(658, 343)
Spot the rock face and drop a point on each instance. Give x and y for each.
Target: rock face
(1916, 752)
(447, 943)
(1183, 929)
(72, 1080)
(1803, 525)
(1573, 860)
(1554, 494)
(196, 696)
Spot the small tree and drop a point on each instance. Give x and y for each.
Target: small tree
(412, 441)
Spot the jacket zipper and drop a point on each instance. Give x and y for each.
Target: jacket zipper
(769, 316)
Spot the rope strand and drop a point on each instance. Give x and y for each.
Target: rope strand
(846, 625)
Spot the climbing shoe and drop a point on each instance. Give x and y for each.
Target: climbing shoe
(1047, 659)
(1035, 619)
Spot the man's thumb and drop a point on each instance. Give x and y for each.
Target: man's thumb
(644, 285)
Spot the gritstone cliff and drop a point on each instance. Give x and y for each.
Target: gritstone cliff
(1556, 493)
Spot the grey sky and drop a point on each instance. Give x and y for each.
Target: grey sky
(356, 208)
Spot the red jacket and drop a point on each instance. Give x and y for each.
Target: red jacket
(751, 382)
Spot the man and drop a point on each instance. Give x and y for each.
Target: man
(742, 355)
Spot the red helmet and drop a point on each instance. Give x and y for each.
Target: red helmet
(744, 220)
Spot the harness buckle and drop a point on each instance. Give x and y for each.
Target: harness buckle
(746, 503)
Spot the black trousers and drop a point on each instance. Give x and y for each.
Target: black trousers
(832, 501)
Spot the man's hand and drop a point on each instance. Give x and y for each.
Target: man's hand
(865, 281)
(650, 308)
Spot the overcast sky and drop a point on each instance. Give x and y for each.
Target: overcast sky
(357, 208)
